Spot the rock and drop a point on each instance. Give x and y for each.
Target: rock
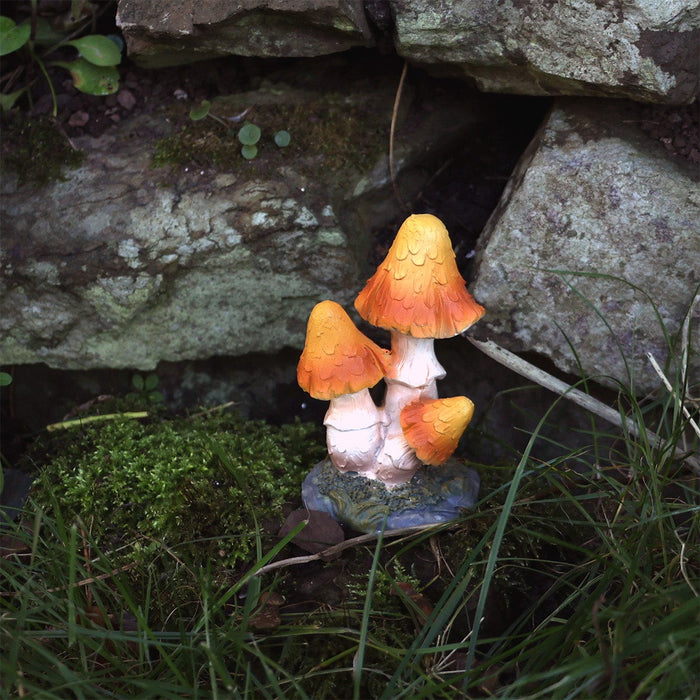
(647, 51)
(638, 49)
(123, 265)
(126, 99)
(121, 272)
(192, 30)
(594, 247)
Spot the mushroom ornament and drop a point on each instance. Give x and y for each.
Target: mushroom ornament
(339, 363)
(418, 294)
(391, 465)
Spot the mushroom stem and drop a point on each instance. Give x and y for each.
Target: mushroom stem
(413, 361)
(353, 431)
(411, 377)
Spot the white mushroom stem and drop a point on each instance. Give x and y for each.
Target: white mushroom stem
(412, 376)
(413, 361)
(396, 461)
(353, 431)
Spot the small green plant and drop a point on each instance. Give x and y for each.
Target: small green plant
(203, 110)
(282, 138)
(249, 135)
(93, 71)
(145, 390)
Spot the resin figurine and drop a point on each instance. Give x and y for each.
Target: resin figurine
(390, 465)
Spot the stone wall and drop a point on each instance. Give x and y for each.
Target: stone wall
(590, 258)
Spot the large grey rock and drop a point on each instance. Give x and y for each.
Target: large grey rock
(638, 49)
(161, 33)
(119, 272)
(124, 265)
(594, 248)
(641, 49)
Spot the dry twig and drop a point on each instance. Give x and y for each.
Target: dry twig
(528, 370)
(331, 552)
(394, 114)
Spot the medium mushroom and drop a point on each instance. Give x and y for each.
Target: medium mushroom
(339, 363)
(432, 427)
(418, 294)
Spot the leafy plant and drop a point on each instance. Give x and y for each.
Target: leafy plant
(282, 138)
(145, 389)
(93, 71)
(5, 379)
(249, 135)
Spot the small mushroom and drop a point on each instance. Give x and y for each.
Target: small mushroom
(433, 426)
(340, 364)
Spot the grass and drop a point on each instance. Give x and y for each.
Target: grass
(562, 583)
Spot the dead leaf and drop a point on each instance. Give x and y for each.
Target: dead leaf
(268, 617)
(423, 607)
(321, 531)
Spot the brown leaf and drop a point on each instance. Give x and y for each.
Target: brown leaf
(321, 532)
(425, 607)
(268, 617)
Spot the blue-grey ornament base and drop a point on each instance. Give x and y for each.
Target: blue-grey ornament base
(434, 495)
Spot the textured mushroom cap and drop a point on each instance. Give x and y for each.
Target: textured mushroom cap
(417, 290)
(432, 427)
(337, 358)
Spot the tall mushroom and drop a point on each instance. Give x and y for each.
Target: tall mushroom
(418, 294)
(432, 427)
(339, 363)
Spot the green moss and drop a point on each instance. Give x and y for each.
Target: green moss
(194, 485)
(325, 132)
(37, 151)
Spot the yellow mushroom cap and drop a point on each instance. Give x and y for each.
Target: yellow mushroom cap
(337, 358)
(432, 427)
(418, 290)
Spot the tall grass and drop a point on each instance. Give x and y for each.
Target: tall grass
(561, 583)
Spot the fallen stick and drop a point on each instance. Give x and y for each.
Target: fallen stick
(546, 380)
(78, 422)
(345, 544)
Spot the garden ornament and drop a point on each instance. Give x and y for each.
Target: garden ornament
(392, 462)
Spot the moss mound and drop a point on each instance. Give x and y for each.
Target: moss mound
(196, 485)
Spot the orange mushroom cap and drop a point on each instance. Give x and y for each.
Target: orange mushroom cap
(337, 358)
(432, 427)
(418, 290)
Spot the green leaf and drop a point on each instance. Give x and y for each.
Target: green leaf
(156, 397)
(5, 379)
(197, 113)
(92, 79)
(249, 152)
(282, 138)
(12, 36)
(137, 381)
(7, 102)
(151, 382)
(98, 50)
(249, 135)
